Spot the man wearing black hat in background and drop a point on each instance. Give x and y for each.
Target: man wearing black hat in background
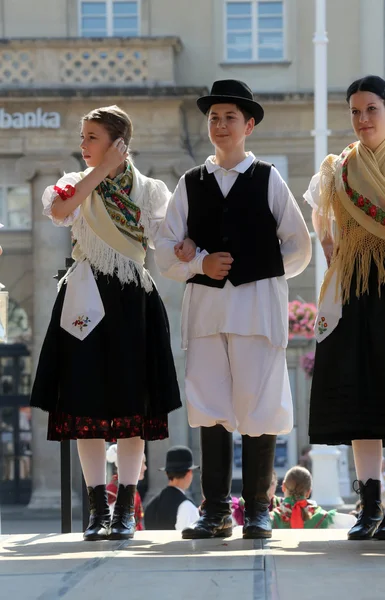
(171, 509)
(234, 232)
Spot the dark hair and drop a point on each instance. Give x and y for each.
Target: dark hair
(370, 83)
(114, 120)
(246, 115)
(178, 475)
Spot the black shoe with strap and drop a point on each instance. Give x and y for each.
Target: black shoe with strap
(257, 471)
(370, 517)
(380, 533)
(100, 516)
(123, 521)
(216, 471)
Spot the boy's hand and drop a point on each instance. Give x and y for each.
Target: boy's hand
(185, 251)
(217, 265)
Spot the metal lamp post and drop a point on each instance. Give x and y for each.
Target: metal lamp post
(3, 327)
(324, 458)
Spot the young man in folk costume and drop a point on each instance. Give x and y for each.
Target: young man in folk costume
(250, 237)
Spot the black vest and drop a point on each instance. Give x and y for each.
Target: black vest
(241, 223)
(162, 511)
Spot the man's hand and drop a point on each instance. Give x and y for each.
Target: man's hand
(217, 265)
(186, 250)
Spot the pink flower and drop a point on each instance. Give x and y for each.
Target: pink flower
(307, 363)
(301, 318)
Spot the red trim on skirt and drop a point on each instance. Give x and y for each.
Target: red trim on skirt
(62, 426)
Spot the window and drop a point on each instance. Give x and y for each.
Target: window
(106, 18)
(16, 207)
(254, 30)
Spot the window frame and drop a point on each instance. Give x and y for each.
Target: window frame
(254, 34)
(109, 17)
(4, 210)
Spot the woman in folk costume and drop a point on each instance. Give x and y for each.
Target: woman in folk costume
(106, 370)
(347, 398)
(296, 511)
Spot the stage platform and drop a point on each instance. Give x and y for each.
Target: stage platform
(158, 565)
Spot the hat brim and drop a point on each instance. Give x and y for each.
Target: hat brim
(256, 111)
(179, 469)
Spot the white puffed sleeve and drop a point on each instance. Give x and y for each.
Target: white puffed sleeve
(160, 197)
(172, 230)
(312, 194)
(49, 196)
(291, 227)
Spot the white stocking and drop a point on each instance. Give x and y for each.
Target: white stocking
(367, 459)
(92, 455)
(130, 456)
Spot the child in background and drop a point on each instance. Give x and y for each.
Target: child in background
(238, 504)
(298, 512)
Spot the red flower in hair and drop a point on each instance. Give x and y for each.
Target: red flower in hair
(360, 201)
(373, 211)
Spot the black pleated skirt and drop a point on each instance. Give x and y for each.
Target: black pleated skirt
(348, 388)
(119, 381)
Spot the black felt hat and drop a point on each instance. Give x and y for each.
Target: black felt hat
(233, 92)
(179, 459)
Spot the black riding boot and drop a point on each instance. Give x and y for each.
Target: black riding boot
(100, 516)
(123, 520)
(257, 470)
(371, 513)
(216, 471)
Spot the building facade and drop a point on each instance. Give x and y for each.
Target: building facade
(61, 58)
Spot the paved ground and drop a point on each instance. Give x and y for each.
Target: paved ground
(294, 565)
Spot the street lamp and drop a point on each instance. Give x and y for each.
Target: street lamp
(4, 298)
(324, 458)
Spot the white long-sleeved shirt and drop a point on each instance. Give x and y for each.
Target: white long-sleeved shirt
(256, 308)
(187, 514)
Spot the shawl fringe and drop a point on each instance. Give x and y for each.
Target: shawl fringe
(355, 248)
(107, 260)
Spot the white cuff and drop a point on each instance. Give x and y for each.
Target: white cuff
(195, 265)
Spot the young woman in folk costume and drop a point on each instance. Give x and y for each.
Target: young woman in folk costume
(347, 399)
(106, 370)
